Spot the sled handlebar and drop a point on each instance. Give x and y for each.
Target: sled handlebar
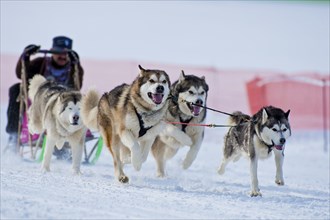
(48, 51)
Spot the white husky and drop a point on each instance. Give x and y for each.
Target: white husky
(56, 110)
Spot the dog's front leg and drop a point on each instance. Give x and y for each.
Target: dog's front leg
(193, 151)
(279, 158)
(255, 191)
(146, 147)
(128, 139)
(177, 134)
(77, 152)
(50, 144)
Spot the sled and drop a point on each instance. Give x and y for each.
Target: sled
(90, 157)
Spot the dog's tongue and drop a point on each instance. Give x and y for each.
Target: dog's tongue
(157, 98)
(195, 110)
(279, 147)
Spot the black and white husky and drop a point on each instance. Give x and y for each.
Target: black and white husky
(56, 110)
(257, 137)
(189, 94)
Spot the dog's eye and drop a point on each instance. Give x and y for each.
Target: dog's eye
(152, 81)
(285, 129)
(164, 81)
(274, 129)
(70, 108)
(191, 92)
(202, 93)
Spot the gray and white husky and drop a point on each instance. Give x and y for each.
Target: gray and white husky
(189, 94)
(257, 137)
(56, 110)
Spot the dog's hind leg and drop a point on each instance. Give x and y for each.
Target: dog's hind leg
(158, 151)
(279, 158)
(225, 161)
(222, 167)
(227, 157)
(50, 144)
(170, 152)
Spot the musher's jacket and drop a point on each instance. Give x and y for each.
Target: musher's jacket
(47, 67)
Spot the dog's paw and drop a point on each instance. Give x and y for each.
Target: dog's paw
(137, 162)
(45, 169)
(123, 179)
(136, 158)
(161, 175)
(186, 164)
(76, 172)
(221, 170)
(279, 182)
(255, 193)
(186, 140)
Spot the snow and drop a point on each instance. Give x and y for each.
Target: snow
(196, 193)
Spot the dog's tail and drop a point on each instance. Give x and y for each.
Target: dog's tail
(89, 109)
(35, 83)
(238, 117)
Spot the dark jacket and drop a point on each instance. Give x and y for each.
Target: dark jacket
(38, 66)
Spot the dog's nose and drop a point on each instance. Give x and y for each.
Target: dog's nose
(282, 140)
(160, 89)
(76, 117)
(199, 102)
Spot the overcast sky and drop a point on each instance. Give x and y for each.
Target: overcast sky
(281, 36)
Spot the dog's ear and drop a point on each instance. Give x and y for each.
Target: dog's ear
(264, 116)
(142, 70)
(182, 76)
(203, 78)
(287, 114)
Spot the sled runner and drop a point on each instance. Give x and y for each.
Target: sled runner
(91, 154)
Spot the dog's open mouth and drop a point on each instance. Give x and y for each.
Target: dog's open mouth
(279, 147)
(157, 98)
(195, 109)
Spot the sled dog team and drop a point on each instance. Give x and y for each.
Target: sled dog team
(151, 114)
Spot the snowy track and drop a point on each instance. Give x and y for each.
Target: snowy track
(197, 193)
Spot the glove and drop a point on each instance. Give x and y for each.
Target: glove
(31, 49)
(74, 57)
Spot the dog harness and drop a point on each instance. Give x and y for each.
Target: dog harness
(143, 130)
(186, 122)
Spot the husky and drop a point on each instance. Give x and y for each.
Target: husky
(56, 110)
(129, 117)
(189, 95)
(257, 137)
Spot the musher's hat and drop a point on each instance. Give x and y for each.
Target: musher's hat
(61, 44)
